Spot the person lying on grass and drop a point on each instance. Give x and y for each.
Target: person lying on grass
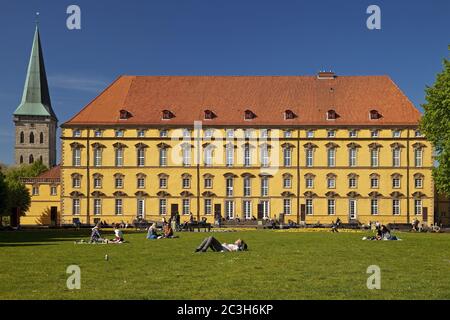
(383, 233)
(215, 245)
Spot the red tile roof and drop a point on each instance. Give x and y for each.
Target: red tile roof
(187, 97)
(53, 173)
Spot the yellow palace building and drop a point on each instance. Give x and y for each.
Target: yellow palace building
(308, 148)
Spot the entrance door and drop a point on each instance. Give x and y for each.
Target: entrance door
(173, 209)
(53, 216)
(217, 210)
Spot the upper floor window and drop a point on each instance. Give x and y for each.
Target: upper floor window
(247, 187)
(53, 190)
(41, 138)
(98, 133)
(76, 156)
(264, 186)
(418, 157)
(119, 133)
(247, 155)
(309, 157)
(332, 115)
(396, 133)
(331, 133)
(22, 137)
(310, 134)
(124, 115)
(163, 133)
(331, 181)
(230, 133)
(209, 115)
(353, 133)
(249, 115)
(396, 157)
(141, 133)
(229, 154)
(289, 115)
(287, 133)
(186, 150)
(186, 133)
(209, 133)
(186, 182)
(374, 133)
(167, 114)
(287, 156)
(76, 133)
(229, 187)
(35, 191)
(265, 133)
(287, 181)
(163, 157)
(248, 133)
(119, 156)
(417, 133)
(140, 156)
(374, 115)
(208, 156)
(331, 157)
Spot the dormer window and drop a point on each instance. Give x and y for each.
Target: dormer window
(332, 115)
(289, 115)
(374, 115)
(124, 115)
(249, 115)
(167, 115)
(209, 115)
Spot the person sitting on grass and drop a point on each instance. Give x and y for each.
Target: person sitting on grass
(95, 235)
(118, 235)
(152, 232)
(168, 231)
(215, 245)
(334, 226)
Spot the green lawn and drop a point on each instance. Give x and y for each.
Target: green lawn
(279, 265)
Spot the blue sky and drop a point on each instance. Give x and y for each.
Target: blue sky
(211, 37)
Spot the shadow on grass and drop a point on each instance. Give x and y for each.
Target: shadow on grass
(25, 244)
(40, 237)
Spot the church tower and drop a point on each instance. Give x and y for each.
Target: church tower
(34, 119)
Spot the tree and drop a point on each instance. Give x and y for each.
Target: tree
(435, 124)
(3, 193)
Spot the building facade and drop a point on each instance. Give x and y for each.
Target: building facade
(34, 119)
(311, 148)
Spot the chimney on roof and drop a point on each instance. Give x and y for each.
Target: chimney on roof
(326, 75)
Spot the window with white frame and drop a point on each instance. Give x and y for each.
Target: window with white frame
(186, 204)
(119, 157)
(163, 157)
(331, 157)
(418, 207)
(98, 133)
(417, 133)
(229, 209)
(396, 182)
(418, 182)
(395, 207)
(162, 207)
(141, 133)
(97, 182)
(247, 204)
(247, 187)
(331, 133)
(230, 133)
(353, 133)
(264, 133)
(287, 182)
(247, 155)
(186, 155)
(209, 133)
(374, 182)
(287, 206)
(309, 157)
(208, 206)
(186, 182)
(163, 133)
(396, 133)
(208, 156)
(76, 133)
(310, 134)
(309, 182)
(331, 182)
(248, 133)
(373, 206)
(229, 154)
(374, 133)
(141, 157)
(53, 191)
(163, 182)
(141, 182)
(264, 187)
(352, 209)
(118, 207)
(208, 183)
(352, 182)
(264, 156)
(374, 157)
(396, 157)
(119, 133)
(118, 182)
(76, 208)
(352, 157)
(76, 157)
(35, 191)
(265, 207)
(97, 157)
(418, 156)
(287, 133)
(331, 207)
(229, 187)
(97, 207)
(186, 133)
(309, 207)
(287, 156)
(76, 181)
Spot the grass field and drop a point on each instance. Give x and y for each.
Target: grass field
(279, 265)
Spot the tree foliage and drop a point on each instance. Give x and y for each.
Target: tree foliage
(435, 124)
(16, 195)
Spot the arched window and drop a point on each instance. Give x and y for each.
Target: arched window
(31, 159)
(41, 138)
(21, 159)
(332, 115)
(22, 137)
(31, 137)
(374, 115)
(40, 159)
(249, 115)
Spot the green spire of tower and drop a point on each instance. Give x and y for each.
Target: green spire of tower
(36, 96)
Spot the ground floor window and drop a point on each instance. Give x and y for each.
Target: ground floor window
(309, 207)
(418, 207)
(208, 206)
(374, 207)
(395, 207)
(97, 207)
(119, 207)
(352, 209)
(265, 207)
(331, 207)
(162, 207)
(247, 204)
(186, 205)
(287, 203)
(229, 209)
(76, 206)
(140, 208)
